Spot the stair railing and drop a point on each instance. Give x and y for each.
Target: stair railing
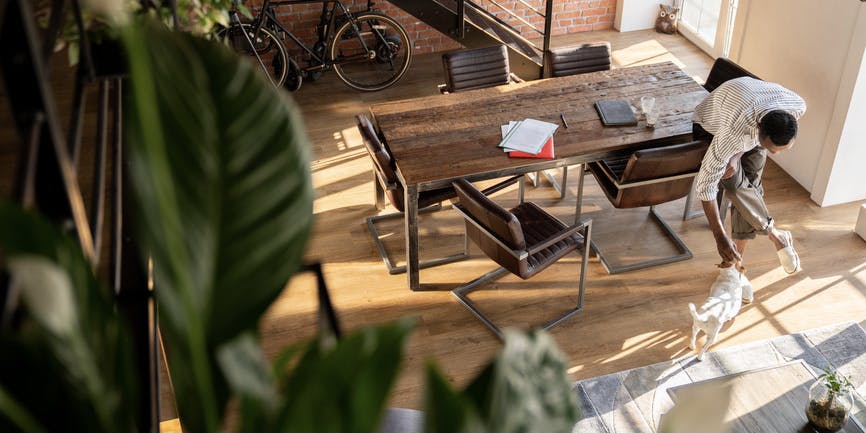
(545, 33)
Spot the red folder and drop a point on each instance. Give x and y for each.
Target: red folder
(545, 153)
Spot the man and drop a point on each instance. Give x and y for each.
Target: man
(743, 119)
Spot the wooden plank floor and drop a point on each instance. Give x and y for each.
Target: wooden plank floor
(629, 320)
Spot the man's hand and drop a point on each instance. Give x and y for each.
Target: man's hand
(727, 249)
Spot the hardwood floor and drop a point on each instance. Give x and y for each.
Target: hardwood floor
(629, 320)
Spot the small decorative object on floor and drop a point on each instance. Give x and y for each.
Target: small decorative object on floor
(666, 22)
(829, 401)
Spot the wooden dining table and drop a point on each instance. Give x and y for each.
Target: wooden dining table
(435, 140)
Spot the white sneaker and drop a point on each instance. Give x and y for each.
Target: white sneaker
(787, 256)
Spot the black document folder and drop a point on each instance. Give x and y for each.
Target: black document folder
(615, 112)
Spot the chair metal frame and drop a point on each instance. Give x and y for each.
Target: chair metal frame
(379, 195)
(380, 186)
(462, 292)
(684, 253)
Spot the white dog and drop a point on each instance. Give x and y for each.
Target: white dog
(727, 294)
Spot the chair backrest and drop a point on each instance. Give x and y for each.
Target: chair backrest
(475, 69)
(378, 152)
(723, 70)
(579, 59)
(383, 163)
(493, 217)
(658, 164)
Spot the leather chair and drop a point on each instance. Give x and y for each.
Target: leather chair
(648, 177)
(573, 60)
(387, 185)
(723, 70)
(476, 69)
(523, 241)
(579, 59)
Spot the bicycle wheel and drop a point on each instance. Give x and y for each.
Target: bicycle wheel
(371, 52)
(267, 53)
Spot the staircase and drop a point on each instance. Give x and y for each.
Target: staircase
(475, 25)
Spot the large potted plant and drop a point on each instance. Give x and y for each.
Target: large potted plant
(220, 169)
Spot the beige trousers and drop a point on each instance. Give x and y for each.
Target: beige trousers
(749, 214)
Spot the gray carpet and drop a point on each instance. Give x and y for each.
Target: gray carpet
(634, 400)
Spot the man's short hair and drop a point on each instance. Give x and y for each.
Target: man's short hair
(780, 126)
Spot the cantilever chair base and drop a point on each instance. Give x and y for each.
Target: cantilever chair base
(683, 251)
(394, 269)
(462, 292)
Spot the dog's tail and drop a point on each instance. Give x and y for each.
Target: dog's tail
(695, 315)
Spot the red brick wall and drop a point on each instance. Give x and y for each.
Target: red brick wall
(569, 16)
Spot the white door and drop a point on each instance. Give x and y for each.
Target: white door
(708, 24)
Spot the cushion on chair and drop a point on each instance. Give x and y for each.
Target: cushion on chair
(539, 225)
(477, 68)
(723, 70)
(579, 59)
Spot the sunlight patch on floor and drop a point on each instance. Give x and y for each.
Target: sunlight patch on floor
(348, 138)
(358, 195)
(356, 166)
(644, 53)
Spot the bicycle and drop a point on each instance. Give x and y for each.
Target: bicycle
(369, 50)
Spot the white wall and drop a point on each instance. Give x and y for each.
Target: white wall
(637, 14)
(806, 45)
(841, 173)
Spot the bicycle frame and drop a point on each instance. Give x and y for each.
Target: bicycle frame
(326, 24)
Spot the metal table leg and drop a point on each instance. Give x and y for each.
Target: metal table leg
(412, 261)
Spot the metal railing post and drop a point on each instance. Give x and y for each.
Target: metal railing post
(548, 20)
(461, 19)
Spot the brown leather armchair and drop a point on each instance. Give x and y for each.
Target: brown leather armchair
(476, 69)
(386, 184)
(524, 241)
(573, 60)
(648, 177)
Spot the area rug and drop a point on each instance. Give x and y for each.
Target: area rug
(634, 400)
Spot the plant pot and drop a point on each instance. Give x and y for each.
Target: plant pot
(828, 410)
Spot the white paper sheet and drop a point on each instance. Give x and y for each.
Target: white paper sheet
(527, 135)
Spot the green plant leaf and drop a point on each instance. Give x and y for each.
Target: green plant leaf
(244, 366)
(71, 333)
(220, 170)
(531, 391)
(446, 410)
(344, 388)
(19, 416)
(524, 389)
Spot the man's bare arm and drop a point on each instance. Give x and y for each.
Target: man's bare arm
(727, 249)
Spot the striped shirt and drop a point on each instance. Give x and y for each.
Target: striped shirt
(731, 113)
